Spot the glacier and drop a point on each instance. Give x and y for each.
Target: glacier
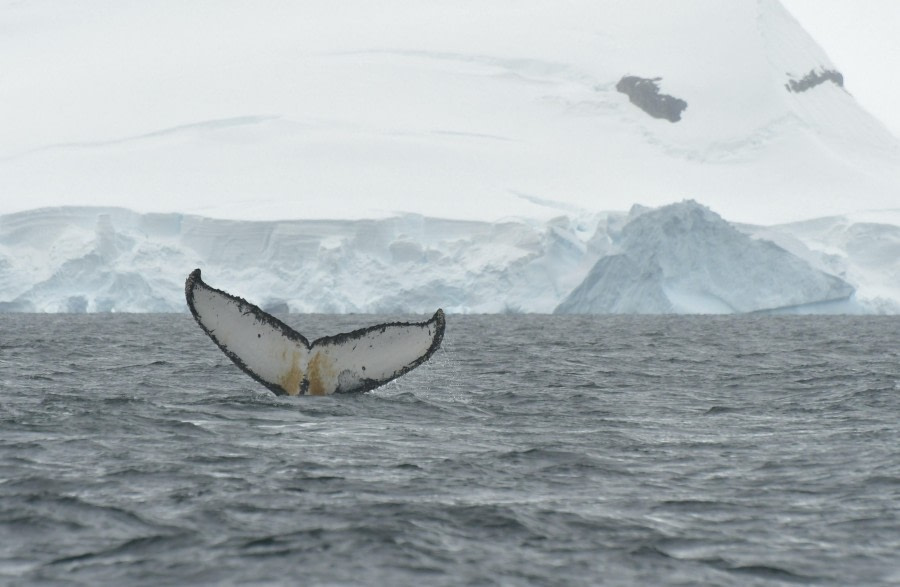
(680, 258)
(97, 260)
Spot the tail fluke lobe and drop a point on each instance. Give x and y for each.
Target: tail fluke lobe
(282, 359)
(263, 346)
(367, 358)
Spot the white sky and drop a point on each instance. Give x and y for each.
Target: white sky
(862, 38)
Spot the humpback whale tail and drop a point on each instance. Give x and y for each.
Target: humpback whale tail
(280, 358)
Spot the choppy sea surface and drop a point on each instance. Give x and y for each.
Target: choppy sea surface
(531, 450)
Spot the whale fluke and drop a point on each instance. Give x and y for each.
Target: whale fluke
(274, 354)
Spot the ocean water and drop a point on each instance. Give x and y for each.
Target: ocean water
(531, 450)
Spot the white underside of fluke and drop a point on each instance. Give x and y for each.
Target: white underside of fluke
(284, 361)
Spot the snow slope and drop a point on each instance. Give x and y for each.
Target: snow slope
(466, 110)
(679, 258)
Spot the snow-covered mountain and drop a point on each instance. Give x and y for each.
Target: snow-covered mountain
(464, 153)
(466, 110)
(680, 258)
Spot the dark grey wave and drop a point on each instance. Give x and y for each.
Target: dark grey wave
(535, 450)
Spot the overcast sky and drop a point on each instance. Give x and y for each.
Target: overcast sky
(863, 40)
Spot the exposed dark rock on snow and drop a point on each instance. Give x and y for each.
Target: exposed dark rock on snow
(644, 93)
(815, 78)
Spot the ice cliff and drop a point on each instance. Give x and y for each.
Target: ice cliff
(679, 258)
(96, 260)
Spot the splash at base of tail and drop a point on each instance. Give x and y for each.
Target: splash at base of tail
(277, 356)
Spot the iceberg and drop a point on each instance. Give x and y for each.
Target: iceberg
(862, 248)
(685, 259)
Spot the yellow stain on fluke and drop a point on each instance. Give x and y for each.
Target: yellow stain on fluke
(290, 381)
(321, 369)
